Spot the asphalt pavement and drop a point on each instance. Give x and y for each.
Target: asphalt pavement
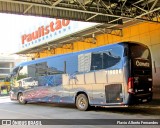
(13, 110)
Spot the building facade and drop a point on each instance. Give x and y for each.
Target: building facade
(7, 63)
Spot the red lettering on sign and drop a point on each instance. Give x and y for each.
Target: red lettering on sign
(29, 38)
(58, 24)
(23, 38)
(44, 30)
(51, 26)
(35, 35)
(65, 22)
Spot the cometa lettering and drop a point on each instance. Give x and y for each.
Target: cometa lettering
(44, 30)
(142, 64)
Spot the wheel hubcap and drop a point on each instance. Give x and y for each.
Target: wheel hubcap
(82, 103)
(21, 98)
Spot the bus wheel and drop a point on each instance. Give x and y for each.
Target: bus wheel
(82, 102)
(21, 99)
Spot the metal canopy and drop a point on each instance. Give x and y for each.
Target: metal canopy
(113, 14)
(100, 11)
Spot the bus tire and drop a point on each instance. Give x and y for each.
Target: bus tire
(82, 102)
(21, 99)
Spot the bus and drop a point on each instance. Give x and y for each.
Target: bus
(114, 75)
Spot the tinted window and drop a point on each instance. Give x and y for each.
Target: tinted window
(138, 51)
(23, 73)
(106, 59)
(24, 78)
(39, 69)
(60, 63)
(140, 56)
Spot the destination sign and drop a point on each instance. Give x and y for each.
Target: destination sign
(141, 63)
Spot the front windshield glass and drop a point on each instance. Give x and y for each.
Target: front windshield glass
(13, 76)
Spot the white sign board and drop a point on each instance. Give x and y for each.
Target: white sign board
(51, 30)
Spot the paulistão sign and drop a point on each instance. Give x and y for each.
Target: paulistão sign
(51, 30)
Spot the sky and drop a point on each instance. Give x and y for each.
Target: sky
(11, 27)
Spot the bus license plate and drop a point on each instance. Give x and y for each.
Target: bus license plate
(144, 100)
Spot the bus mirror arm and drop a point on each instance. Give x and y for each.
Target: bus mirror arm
(65, 67)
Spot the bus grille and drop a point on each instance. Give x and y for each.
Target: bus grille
(113, 92)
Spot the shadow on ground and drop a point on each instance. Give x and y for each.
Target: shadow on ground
(131, 110)
(152, 108)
